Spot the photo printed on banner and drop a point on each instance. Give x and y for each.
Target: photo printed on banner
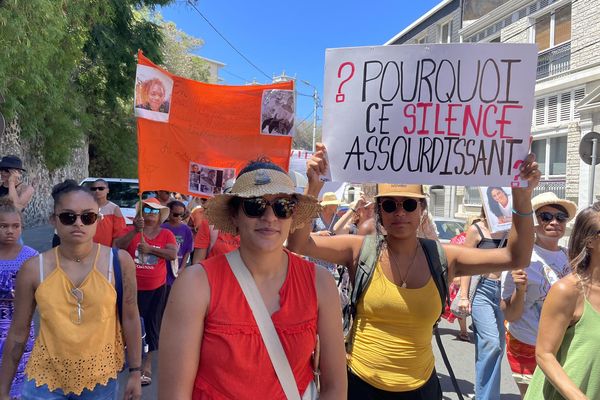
(208, 180)
(277, 113)
(153, 91)
(497, 205)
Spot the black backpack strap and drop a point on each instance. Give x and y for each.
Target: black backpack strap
(118, 281)
(364, 271)
(438, 266)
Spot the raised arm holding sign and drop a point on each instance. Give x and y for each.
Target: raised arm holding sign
(402, 267)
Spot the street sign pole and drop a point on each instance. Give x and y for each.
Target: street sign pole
(593, 170)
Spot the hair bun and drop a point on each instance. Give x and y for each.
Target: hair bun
(66, 186)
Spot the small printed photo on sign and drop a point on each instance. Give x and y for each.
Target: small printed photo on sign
(497, 205)
(277, 113)
(153, 91)
(208, 180)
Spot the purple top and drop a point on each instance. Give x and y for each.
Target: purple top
(185, 244)
(8, 274)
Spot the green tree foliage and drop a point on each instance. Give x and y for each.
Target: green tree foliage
(41, 43)
(177, 49)
(67, 71)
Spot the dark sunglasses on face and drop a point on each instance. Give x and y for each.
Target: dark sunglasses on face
(177, 215)
(69, 218)
(150, 210)
(100, 188)
(256, 207)
(546, 216)
(4, 170)
(391, 205)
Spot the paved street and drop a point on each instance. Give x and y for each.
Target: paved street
(461, 354)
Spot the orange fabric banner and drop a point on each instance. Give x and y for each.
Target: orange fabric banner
(193, 136)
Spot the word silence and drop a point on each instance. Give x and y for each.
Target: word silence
(453, 114)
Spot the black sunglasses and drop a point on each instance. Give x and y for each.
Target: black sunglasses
(391, 205)
(69, 218)
(100, 188)
(546, 216)
(4, 170)
(177, 215)
(255, 207)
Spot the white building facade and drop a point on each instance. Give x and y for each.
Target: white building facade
(567, 91)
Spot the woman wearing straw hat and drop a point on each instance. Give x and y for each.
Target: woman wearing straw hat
(150, 245)
(391, 354)
(523, 303)
(210, 345)
(568, 341)
(12, 185)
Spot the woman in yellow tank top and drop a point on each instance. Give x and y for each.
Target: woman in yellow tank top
(391, 355)
(80, 348)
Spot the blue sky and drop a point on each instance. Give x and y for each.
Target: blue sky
(290, 36)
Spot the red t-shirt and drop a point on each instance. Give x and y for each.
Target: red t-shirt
(152, 272)
(224, 243)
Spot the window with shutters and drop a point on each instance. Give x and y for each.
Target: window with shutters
(552, 109)
(558, 107)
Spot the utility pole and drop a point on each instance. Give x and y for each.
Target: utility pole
(315, 107)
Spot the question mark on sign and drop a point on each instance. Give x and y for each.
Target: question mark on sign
(340, 97)
(516, 182)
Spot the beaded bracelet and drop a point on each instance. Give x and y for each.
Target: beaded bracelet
(135, 369)
(527, 214)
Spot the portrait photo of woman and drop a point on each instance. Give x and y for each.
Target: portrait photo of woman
(153, 92)
(498, 207)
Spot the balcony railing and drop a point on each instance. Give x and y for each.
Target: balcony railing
(554, 61)
(556, 186)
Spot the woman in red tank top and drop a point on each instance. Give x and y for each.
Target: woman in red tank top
(210, 345)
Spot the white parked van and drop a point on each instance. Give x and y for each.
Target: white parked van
(123, 192)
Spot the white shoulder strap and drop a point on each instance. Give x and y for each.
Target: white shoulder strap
(265, 325)
(41, 267)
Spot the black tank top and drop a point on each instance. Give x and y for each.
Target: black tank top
(487, 243)
(3, 191)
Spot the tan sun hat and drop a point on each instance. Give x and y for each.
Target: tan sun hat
(549, 198)
(330, 199)
(154, 203)
(398, 190)
(258, 183)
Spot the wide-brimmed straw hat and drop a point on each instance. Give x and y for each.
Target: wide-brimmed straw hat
(399, 190)
(549, 198)
(154, 203)
(258, 183)
(330, 199)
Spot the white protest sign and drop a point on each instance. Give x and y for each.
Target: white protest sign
(454, 113)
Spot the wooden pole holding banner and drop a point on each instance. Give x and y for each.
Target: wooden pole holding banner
(142, 240)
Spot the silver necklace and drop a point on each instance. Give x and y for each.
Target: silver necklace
(395, 261)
